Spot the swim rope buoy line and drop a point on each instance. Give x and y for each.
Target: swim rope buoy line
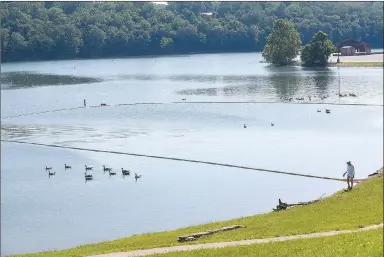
(179, 159)
(184, 102)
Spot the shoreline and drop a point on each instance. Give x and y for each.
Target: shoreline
(139, 56)
(186, 54)
(359, 64)
(265, 224)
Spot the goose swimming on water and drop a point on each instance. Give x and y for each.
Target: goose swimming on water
(88, 168)
(111, 172)
(137, 176)
(88, 176)
(106, 169)
(48, 168)
(50, 173)
(67, 166)
(125, 172)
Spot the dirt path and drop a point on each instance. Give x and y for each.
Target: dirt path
(232, 243)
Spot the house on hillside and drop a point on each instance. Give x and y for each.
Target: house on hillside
(160, 3)
(209, 14)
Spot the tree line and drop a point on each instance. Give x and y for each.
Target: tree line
(66, 30)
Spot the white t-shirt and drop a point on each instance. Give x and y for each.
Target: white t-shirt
(350, 170)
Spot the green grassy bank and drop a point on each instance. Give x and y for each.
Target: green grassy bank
(363, 206)
(360, 64)
(366, 243)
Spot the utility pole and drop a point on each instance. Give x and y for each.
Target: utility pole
(338, 57)
(338, 41)
(338, 69)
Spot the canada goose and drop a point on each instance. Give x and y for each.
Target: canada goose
(245, 125)
(272, 124)
(50, 173)
(327, 111)
(106, 169)
(88, 168)
(184, 99)
(88, 176)
(67, 166)
(318, 110)
(125, 172)
(111, 172)
(373, 174)
(283, 204)
(352, 94)
(48, 168)
(137, 176)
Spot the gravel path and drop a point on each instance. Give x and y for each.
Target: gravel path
(232, 243)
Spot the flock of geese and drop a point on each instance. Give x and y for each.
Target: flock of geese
(127, 172)
(89, 176)
(302, 98)
(322, 97)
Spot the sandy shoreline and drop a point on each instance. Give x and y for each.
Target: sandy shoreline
(358, 58)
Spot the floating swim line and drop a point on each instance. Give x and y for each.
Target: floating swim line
(184, 102)
(178, 159)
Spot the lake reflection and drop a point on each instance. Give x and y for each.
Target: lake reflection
(19, 80)
(177, 194)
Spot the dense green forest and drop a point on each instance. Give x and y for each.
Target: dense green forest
(66, 30)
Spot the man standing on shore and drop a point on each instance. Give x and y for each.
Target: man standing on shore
(350, 174)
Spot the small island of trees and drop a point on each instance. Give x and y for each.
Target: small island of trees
(284, 44)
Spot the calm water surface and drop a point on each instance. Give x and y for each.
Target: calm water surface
(173, 194)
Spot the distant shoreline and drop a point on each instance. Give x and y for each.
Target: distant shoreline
(365, 58)
(134, 56)
(371, 60)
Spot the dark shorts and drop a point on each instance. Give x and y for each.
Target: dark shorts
(350, 176)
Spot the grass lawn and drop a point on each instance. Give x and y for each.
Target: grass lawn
(366, 243)
(360, 64)
(363, 206)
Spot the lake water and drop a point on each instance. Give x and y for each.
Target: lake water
(63, 211)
